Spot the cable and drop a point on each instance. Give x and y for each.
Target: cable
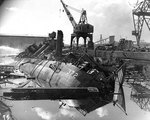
(59, 63)
(42, 68)
(75, 9)
(36, 67)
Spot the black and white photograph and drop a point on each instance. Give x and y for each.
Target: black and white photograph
(74, 59)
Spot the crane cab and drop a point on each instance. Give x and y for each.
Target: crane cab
(84, 28)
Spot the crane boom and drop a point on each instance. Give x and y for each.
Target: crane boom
(73, 22)
(80, 29)
(82, 26)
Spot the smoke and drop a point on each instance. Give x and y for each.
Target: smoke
(101, 112)
(6, 61)
(111, 18)
(5, 51)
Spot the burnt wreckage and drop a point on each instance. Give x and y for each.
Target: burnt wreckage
(66, 74)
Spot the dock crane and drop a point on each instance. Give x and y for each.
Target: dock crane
(81, 29)
(141, 14)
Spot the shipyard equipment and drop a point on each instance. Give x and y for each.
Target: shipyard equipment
(141, 14)
(81, 29)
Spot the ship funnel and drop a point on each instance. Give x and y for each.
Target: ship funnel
(111, 39)
(59, 44)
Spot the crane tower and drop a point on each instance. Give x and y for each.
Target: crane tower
(80, 29)
(141, 14)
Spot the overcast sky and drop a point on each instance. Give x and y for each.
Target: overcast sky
(40, 17)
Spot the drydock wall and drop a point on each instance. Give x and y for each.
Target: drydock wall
(20, 41)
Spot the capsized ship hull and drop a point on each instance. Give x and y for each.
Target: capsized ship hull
(52, 74)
